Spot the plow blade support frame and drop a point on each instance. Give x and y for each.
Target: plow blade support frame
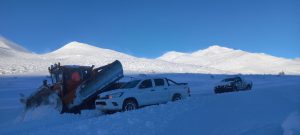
(103, 77)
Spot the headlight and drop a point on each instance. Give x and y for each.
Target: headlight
(114, 95)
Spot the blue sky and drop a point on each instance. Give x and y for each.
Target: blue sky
(149, 28)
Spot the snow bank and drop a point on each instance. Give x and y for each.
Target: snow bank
(39, 113)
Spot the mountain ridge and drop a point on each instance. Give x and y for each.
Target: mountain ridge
(234, 60)
(202, 61)
(9, 48)
(223, 48)
(76, 53)
(78, 48)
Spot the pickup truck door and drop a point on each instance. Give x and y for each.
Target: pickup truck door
(146, 93)
(161, 90)
(243, 84)
(238, 83)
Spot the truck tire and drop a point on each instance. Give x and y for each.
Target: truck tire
(130, 104)
(176, 97)
(248, 87)
(217, 91)
(234, 88)
(109, 112)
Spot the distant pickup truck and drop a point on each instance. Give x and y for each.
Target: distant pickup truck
(142, 92)
(233, 84)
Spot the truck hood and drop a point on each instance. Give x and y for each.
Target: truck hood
(223, 83)
(113, 91)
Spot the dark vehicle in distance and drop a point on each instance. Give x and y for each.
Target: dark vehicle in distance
(233, 84)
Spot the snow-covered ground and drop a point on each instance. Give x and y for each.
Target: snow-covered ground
(271, 108)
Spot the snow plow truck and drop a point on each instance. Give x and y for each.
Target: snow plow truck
(74, 88)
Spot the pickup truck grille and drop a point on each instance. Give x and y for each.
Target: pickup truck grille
(100, 103)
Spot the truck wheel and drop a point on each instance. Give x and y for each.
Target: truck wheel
(248, 87)
(217, 91)
(176, 97)
(108, 112)
(129, 105)
(235, 88)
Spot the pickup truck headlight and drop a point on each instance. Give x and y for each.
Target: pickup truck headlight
(114, 95)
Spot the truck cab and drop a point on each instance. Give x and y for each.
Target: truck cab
(65, 79)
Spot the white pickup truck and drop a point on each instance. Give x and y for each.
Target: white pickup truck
(142, 92)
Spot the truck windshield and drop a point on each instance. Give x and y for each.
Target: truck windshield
(131, 84)
(57, 78)
(228, 80)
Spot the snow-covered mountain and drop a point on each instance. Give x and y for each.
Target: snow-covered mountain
(84, 54)
(234, 60)
(9, 48)
(14, 59)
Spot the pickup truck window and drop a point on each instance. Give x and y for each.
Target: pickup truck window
(228, 80)
(146, 84)
(238, 79)
(131, 84)
(159, 82)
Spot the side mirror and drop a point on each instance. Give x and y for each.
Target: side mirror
(45, 83)
(142, 86)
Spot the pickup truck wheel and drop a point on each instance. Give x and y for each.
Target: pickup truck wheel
(176, 97)
(235, 88)
(248, 87)
(129, 105)
(108, 112)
